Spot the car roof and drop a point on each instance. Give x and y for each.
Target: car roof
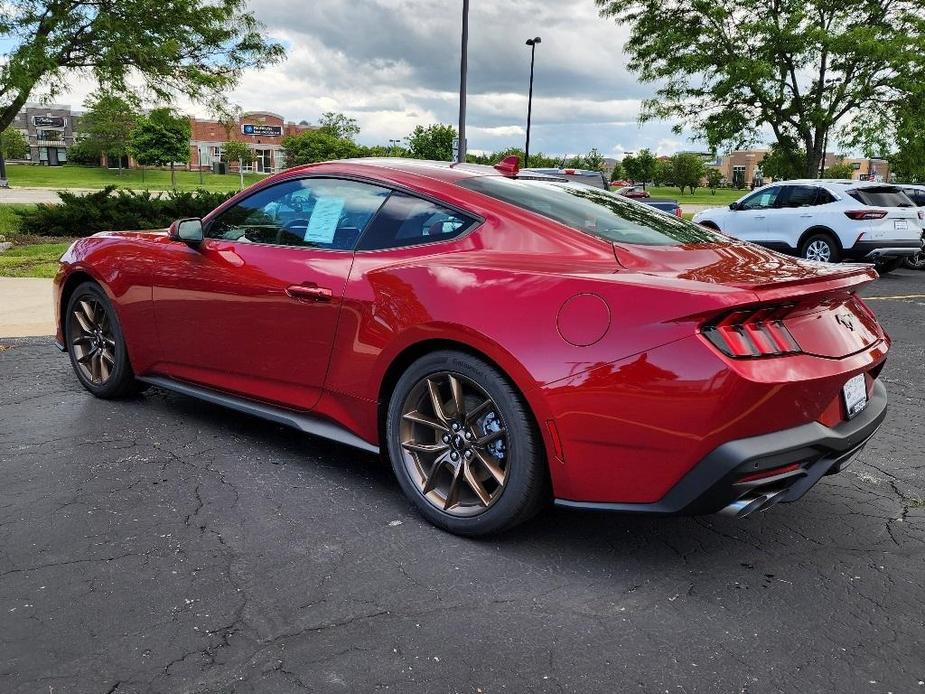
(445, 171)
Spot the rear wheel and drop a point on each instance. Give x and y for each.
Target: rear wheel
(915, 262)
(820, 247)
(887, 265)
(463, 445)
(96, 346)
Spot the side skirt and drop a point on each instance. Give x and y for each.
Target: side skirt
(303, 422)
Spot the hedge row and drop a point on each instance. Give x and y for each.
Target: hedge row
(113, 209)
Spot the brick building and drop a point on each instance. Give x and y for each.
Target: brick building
(741, 167)
(262, 130)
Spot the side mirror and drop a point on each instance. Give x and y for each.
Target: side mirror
(733, 206)
(187, 230)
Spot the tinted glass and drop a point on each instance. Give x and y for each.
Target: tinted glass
(824, 197)
(881, 196)
(594, 211)
(761, 200)
(309, 212)
(405, 220)
(797, 196)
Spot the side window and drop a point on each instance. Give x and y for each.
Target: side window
(307, 212)
(405, 220)
(824, 197)
(797, 196)
(761, 200)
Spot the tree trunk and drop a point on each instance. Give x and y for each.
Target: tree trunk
(7, 115)
(173, 176)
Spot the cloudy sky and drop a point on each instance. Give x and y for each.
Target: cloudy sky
(392, 64)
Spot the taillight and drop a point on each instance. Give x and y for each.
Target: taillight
(865, 214)
(679, 213)
(752, 333)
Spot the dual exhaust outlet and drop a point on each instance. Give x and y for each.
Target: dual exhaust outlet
(750, 504)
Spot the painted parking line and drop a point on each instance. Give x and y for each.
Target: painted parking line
(894, 298)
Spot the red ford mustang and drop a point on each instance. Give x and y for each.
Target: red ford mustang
(503, 341)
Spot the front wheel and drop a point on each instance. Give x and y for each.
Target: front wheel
(96, 346)
(463, 445)
(821, 248)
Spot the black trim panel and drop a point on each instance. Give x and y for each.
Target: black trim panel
(297, 420)
(708, 487)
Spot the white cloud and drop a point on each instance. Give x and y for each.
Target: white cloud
(392, 64)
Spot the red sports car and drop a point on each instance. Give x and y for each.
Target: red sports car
(504, 342)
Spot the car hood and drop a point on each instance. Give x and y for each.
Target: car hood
(740, 265)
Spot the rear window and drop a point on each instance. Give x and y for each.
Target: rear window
(594, 211)
(882, 196)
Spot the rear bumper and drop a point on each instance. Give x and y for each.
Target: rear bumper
(713, 484)
(871, 250)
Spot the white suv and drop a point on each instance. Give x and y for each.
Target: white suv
(826, 220)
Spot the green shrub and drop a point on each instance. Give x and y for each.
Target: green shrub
(112, 209)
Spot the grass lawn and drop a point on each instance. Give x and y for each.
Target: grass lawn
(31, 256)
(703, 196)
(60, 177)
(9, 220)
(35, 260)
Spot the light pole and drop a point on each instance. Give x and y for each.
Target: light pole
(463, 70)
(532, 43)
(393, 144)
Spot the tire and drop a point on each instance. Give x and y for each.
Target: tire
(887, 266)
(496, 445)
(96, 346)
(820, 247)
(915, 262)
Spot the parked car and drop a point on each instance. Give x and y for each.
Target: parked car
(670, 206)
(825, 220)
(916, 194)
(587, 176)
(634, 192)
(503, 342)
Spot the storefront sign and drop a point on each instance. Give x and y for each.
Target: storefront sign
(49, 121)
(261, 130)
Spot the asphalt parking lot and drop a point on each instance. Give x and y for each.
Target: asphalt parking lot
(165, 545)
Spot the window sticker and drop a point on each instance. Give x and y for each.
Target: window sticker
(325, 218)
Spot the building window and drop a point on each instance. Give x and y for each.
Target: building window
(43, 153)
(738, 176)
(49, 135)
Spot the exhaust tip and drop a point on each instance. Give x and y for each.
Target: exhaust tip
(744, 507)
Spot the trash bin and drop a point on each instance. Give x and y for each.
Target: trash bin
(219, 167)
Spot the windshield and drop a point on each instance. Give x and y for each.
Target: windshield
(595, 211)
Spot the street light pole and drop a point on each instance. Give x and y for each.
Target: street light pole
(463, 74)
(532, 43)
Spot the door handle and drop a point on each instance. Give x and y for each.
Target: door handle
(298, 291)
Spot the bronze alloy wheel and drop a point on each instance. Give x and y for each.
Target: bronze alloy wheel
(92, 340)
(454, 444)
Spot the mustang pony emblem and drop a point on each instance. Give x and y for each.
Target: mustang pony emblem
(846, 320)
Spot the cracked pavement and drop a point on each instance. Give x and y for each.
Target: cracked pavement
(160, 544)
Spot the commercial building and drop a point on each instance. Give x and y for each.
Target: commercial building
(742, 167)
(262, 130)
(49, 129)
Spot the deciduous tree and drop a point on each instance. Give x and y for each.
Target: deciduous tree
(107, 126)
(193, 47)
(339, 125)
(162, 138)
(435, 142)
(687, 170)
(13, 144)
(809, 71)
(310, 146)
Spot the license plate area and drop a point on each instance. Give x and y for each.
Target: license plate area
(854, 393)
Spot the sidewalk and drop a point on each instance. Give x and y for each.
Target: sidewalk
(26, 308)
(36, 195)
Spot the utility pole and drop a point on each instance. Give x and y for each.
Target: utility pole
(463, 74)
(532, 43)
